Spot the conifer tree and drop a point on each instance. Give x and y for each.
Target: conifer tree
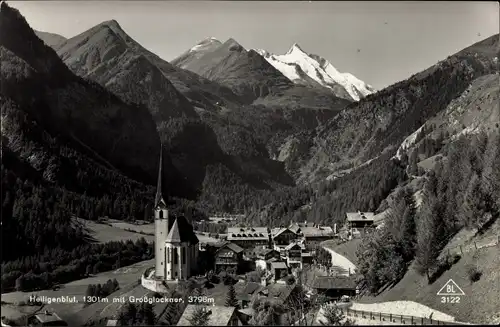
(231, 300)
(200, 316)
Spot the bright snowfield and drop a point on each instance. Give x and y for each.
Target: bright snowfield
(341, 261)
(323, 73)
(408, 308)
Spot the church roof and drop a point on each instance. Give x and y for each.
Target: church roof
(181, 230)
(161, 194)
(174, 236)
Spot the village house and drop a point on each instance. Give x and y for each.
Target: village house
(280, 292)
(283, 236)
(249, 237)
(334, 287)
(218, 315)
(46, 318)
(228, 255)
(247, 293)
(265, 257)
(315, 234)
(293, 255)
(278, 270)
(358, 222)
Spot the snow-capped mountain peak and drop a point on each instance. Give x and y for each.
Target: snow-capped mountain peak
(295, 48)
(303, 68)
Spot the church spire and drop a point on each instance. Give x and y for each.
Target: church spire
(160, 186)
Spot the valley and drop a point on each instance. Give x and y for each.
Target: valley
(286, 185)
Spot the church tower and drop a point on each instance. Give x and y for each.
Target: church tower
(161, 223)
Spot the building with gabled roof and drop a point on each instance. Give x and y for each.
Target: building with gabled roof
(46, 318)
(218, 315)
(228, 255)
(248, 237)
(334, 287)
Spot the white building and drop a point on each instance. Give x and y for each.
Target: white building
(176, 244)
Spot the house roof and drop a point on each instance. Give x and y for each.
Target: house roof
(279, 231)
(334, 282)
(277, 291)
(47, 316)
(248, 291)
(359, 216)
(294, 228)
(219, 315)
(234, 247)
(292, 245)
(247, 233)
(317, 231)
(278, 265)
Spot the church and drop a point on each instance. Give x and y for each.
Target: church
(176, 244)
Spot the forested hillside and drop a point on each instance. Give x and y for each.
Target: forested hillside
(462, 191)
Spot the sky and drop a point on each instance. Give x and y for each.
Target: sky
(395, 39)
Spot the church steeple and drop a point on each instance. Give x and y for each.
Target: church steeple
(160, 186)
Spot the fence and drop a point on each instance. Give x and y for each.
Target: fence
(474, 246)
(397, 319)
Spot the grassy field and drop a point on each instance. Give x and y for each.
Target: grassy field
(347, 249)
(126, 276)
(103, 233)
(115, 230)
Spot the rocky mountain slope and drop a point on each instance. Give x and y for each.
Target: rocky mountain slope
(37, 84)
(199, 50)
(257, 81)
(194, 133)
(245, 72)
(313, 70)
(51, 39)
(380, 122)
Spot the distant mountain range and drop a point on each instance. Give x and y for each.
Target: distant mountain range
(229, 117)
(310, 69)
(296, 65)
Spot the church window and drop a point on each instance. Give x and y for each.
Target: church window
(176, 257)
(183, 253)
(176, 274)
(168, 255)
(161, 214)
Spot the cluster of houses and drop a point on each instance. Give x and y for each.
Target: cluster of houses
(277, 253)
(271, 250)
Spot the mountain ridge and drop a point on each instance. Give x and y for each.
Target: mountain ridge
(303, 68)
(381, 121)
